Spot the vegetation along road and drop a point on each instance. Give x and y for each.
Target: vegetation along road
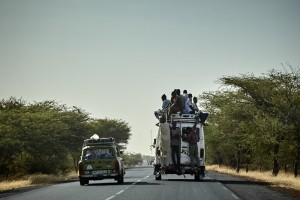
(141, 184)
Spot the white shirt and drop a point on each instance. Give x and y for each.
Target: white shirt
(187, 109)
(195, 107)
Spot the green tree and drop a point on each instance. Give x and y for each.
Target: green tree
(276, 95)
(45, 137)
(132, 159)
(258, 117)
(10, 145)
(118, 129)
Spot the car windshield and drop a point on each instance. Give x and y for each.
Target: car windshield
(98, 153)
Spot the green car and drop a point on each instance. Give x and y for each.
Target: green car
(100, 159)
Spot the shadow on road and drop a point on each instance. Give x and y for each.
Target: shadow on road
(225, 182)
(125, 183)
(180, 180)
(236, 182)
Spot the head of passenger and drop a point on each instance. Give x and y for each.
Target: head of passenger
(163, 97)
(173, 94)
(195, 100)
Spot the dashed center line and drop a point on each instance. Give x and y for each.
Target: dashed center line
(234, 196)
(111, 197)
(225, 188)
(121, 191)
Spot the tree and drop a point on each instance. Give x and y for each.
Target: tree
(117, 129)
(45, 137)
(272, 101)
(231, 115)
(10, 146)
(132, 159)
(277, 95)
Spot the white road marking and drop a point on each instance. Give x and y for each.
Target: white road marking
(121, 191)
(111, 197)
(225, 188)
(234, 196)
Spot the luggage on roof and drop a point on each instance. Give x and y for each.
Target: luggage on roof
(100, 141)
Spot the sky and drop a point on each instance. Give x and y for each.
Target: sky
(115, 58)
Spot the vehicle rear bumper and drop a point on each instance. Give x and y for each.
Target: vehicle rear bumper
(98, 177)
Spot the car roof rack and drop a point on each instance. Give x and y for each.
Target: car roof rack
(100, 141)
(183, 118)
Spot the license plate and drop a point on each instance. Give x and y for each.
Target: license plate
(99, 172)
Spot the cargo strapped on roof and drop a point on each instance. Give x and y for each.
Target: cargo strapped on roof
(100, 141)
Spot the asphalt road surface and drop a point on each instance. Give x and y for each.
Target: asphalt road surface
(140, 184)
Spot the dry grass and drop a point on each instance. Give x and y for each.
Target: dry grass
(9, 185)
(283, 180)
(36, 179)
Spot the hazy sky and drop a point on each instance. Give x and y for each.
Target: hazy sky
(115, 58)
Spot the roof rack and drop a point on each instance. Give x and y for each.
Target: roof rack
(100, 141)
(183, 118)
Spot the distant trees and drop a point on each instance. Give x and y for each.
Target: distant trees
(132, 159)
(255, 121)
(118, 129)
(46, 137)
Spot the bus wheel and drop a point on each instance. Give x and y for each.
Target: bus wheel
(158, 176)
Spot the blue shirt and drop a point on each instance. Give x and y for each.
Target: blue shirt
(166, 104)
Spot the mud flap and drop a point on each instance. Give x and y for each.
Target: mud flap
(157, 172)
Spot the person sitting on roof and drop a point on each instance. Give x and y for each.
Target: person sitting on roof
(185, 97)
(188, 105)
(165, 105)
(166, 102)
(202, 116)
(176, 104)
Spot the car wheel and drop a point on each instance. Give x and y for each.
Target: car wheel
(196, 177)
(81, 181)
(121, 179)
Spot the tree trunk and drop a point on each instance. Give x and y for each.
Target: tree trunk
(238, 165)
(285, 167)
(297, 159)
(75, 162)
(275, 160)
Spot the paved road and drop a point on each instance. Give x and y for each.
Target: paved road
(141, 184)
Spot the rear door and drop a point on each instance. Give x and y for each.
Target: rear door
(185, 154)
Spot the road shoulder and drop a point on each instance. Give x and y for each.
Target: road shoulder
(251, 189)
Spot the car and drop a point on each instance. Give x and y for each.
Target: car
(100, 159)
